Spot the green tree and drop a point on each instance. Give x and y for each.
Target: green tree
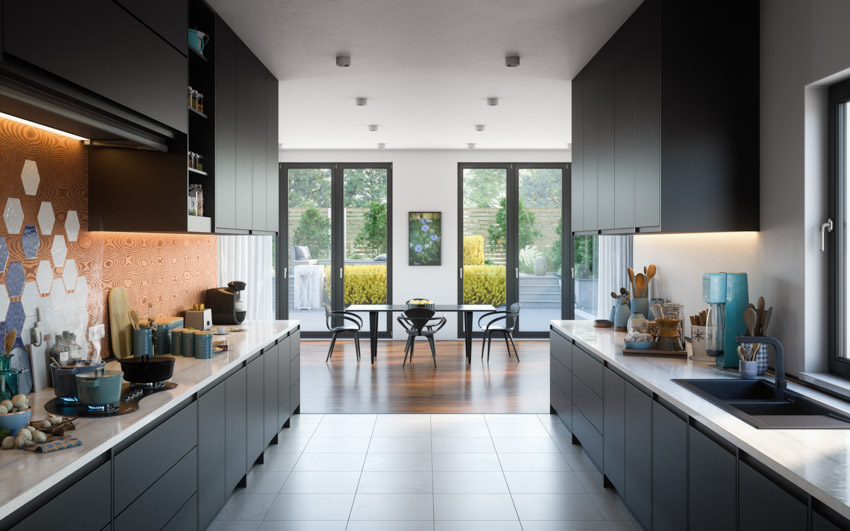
(364, 186)
(309, 187)
(585, 250)
(373, 236)
(483, 187)
(314, 232)
(555, 250)
(527, 231)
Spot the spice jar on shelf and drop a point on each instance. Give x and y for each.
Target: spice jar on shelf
(199, 102)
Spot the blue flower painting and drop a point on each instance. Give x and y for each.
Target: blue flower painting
(425, 238)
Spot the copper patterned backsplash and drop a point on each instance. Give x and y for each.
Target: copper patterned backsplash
(55, 264)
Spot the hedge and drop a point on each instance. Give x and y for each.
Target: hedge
(364, 284)
(484, 284)
(473, 250)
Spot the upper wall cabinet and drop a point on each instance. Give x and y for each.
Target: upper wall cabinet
(665, 123)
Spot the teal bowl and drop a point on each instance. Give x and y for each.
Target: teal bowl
(15, 421)
(638, 345)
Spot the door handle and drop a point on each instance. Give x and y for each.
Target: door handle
(825, 227)
(517, 272)
(340, 272)
(461, 272)
(285, 272)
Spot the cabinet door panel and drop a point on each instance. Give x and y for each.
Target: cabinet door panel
(256, 410)
(577, 166)
(283, 381)
(244, 137)
(168, 18)
(605, 138)
(588, 369)
(186, 519)
(712, 484)
(624, 125)
(669, 470)
(588, 403)
(561, 376)
(590, 439)
(561, 348)
(236, 428)
(647, 115)
(590, 145)
(270, 390)
(762, 504)
(638, 471)
(258, 145)
(211, 454)
(225, 125)
(559, 401)
(273, 174)
(614, 442)
(295, 396)
(821, 523)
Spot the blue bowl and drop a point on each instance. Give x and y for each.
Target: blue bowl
(638, 345)
(15, 421)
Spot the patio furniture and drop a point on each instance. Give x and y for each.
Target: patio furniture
(510, 318)
(420, 320)
(354, 328)
(300, 254)
(309, 285)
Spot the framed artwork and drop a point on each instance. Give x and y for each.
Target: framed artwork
(426, 237)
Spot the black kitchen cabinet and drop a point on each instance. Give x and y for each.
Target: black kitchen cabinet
(100, 47)
(284, 381)
(614, 443)
(167, 18)
(256, 411)
(243, 197)
(825, 519)
(764, 504)
(712, 483)
(560, 377)
(577, 165)
(295, 371)
(677, 133)
(186, 519)
(638, 462)
(235, 429)
(259, 176)
(589, 437)
(212, 493)
(270, 392)
(225, 126)
(272, 164)
(669, 470)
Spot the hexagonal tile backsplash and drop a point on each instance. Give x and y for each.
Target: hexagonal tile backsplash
(30, 177)
(30, 242)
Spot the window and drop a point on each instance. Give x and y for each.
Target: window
(839, 265)
(600, 267)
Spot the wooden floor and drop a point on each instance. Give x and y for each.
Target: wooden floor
(501, 386)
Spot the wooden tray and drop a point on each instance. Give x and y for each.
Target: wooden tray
(666, 353)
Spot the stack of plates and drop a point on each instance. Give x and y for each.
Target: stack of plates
(188, 343)
(177, 341)
(203, 345)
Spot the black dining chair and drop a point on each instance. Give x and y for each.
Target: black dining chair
(406, 324)
(420, 324)
(510, 318)
(354, 328)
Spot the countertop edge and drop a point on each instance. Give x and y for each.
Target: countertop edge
(16, 503)
(800, 481)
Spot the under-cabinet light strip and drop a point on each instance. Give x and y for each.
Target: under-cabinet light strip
(40, 126)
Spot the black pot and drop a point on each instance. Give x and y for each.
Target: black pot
(147, 369)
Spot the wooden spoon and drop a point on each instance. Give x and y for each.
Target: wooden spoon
(751, 320)
(134, 319)
(640, 285)
(766, 321)
(632, 280)
(10, 341)
(650, 274)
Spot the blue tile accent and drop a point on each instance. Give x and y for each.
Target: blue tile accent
(15, 279)
(4, 254)
(15, 317)
(30, 242)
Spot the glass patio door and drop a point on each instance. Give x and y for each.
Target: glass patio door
(336, 247)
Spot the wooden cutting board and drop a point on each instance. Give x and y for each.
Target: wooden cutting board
(120, 329)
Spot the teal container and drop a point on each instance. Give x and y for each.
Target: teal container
(203, 345)
(189, 343)
(142, 342)
(640, 305)
(176, 343)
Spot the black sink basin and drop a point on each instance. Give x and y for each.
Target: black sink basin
(753, 402)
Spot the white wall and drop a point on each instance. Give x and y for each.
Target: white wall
(803, 49)
(425, 180)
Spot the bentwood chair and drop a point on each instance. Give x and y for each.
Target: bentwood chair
(406, 324)
(510, 318)
(419, 320)
(344, 328)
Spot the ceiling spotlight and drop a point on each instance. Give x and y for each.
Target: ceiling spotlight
(343, 61)
(479, 127)
(373, 127)
(492, 102)
(512, 61)
(361, 102)
(381, 145)
(471, 145)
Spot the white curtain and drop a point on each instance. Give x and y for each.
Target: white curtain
(615, 257)
(251, 260)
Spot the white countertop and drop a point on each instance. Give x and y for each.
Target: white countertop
(818, 461)
(25, 475)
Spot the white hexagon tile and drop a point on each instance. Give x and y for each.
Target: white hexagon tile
(81, 293)
(72, 225)
(69, 273)
(13, 215)
(4, 302)
(30, 177)
(30, 298)
(26, 333)
(59, 250)
(69, 309)
(57, 294)
(46, 218)
(44, 277)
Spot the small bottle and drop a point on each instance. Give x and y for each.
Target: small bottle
(190, 96)
(199, 102)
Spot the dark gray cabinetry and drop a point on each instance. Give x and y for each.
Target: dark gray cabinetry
(272, 164)
(225, 126)
(587, 383)
(614, 443)
(822, 522)
(270, 391)
(763, 504)
(638, 467)
(235, 429)
(669, 470)
(256, 411)
(603, 100)
(167, 18)
(284, 375)
(259, 175)
(560, 377)
(624, 126)
(647, 45)
(186, 518)
(711, 485)
(577, 165)
(295, 371)
(211, 454)
(243, 197)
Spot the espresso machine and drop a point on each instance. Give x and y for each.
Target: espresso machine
(727, 297)
(227, 304)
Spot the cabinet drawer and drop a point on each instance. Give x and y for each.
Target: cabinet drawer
(95, 486)
(588, 370)
(164, 499)
(712, 488)
(294, 371)
(146, 460)
(561, 376)
(588, 403)
(270, 389)
(590, 439)
(561, 348)
(763, 504)
(561, 404)
(255, 411)
(295, 396)
(186, 519)
(295, 344)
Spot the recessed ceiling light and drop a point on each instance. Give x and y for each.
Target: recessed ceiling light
(373, 127)
(361, 102)
(42, 127)
(343, 61)
(479, 127)
(471, 145)
(512, 61)
(492, 102)
(381, 145)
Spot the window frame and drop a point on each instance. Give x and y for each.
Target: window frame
(839, 94)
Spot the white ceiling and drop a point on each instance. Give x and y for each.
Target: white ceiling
(427, 67)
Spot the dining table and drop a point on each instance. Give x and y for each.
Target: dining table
(466, 309)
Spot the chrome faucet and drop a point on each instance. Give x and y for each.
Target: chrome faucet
(781, 384)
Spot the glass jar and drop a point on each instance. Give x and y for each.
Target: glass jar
(189, 101)
(199, 102)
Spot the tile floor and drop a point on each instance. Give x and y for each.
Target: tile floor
(425, 472)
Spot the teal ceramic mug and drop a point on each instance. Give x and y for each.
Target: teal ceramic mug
(198, 40)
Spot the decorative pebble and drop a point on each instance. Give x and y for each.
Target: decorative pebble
(45, 425)
(32, 429)
(7, 404)
(8, 443)
(55, 419)
(3, 410)
(19, 401)
(40, 437)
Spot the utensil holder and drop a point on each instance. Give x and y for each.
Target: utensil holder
(142, 342)
(698, 350)
(640, 305)
(762, 357)
(748, 369)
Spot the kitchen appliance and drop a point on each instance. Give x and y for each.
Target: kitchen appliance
(227, 304)
(199, 319)
(65, 381)
(727, 297)
(669, 318)
(147, 369)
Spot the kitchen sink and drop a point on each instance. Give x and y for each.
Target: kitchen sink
(754, 402)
